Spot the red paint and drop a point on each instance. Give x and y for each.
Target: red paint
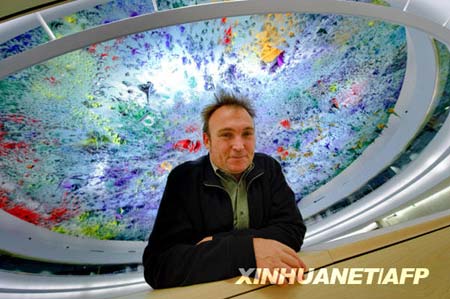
(25, 214)
(286, 123)
(119, 40)
(51, 79)
(57, 215)
(103, 55)
(20, 211)
(7, 147)
(92, 48)
(115, 57)
(3, 199)
(191, 129)
(282, 152)
(19, 119)
(197, 146)
(224, 20)
(228, 36)
(187, 144)
(182, 144)
(11, 145)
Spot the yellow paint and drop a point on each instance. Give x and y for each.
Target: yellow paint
(102, 231)
(78, 73)
(308, 154)
(84, 216)
(269, 53)
(380, 2)
(166, 166)
(70, 19)
(268, 40)
(117, 140)
(59, 229)
(381, 126)
(333, 87)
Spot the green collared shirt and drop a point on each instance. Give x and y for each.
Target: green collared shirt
(237, 190)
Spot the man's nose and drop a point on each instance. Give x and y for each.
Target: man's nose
(238, 144)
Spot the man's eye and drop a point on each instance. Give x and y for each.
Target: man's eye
(225, 135)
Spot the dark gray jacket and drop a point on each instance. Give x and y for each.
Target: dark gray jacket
(195, 205)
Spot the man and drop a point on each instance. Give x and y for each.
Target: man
(228, 210)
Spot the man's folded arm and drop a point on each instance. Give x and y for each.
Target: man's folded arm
(173, 258)
(186, 264)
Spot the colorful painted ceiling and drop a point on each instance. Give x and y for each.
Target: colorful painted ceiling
(87, 139)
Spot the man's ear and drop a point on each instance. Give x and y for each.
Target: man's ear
(206, 140)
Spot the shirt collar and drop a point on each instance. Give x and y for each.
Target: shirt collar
(224, 175)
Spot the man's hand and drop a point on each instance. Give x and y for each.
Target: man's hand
(271, 254)
(205, 239)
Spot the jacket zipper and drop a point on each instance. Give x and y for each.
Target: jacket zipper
(255, 177)
(217, 186)
(248, 185)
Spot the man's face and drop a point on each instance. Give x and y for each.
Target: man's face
(231, 139)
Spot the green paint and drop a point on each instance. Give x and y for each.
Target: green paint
(60, 229)
(380, 2)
